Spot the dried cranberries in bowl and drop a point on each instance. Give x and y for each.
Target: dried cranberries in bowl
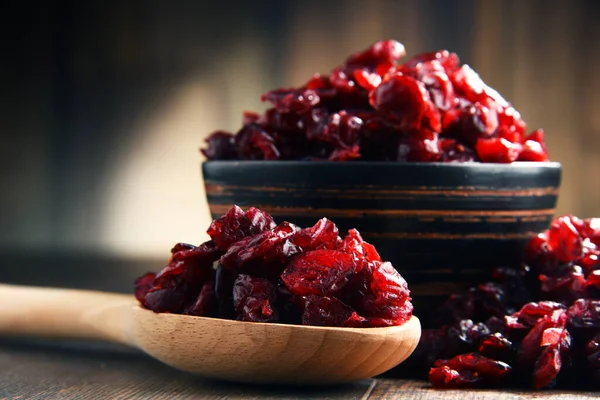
(374, 107)
(279, 273)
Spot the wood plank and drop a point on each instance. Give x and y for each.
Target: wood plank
(412, 389)
(71, 370)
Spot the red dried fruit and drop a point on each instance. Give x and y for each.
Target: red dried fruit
(584, 313)
(220, 146)
(566, 286)
(382, 52)
(322, 235)
(531, 345)
(479, 122)
(254, 143)
(142, 285)
(449, 61)
(550, 361)
(533, 151)
(237, 224)
(362, 251)
(292, 100)
(398, 106)
(205, 254)
(264, 254)
(405, 102)
(181, 280)
(510, 125)
(341, 130)
(468, 370)
(564, 240)
(318, 272)
(280, 273)
(328, 311)
(468, 84)
(497, 150)
(531, 313)
(495, 346)
(434, 77)
(206, 303)
(422, 146)
(383, 293)
(254, 299)
(453, 151)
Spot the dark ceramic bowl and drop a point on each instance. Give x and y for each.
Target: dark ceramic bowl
(443, 225)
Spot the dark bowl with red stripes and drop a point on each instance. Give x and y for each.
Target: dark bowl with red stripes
(444, 226)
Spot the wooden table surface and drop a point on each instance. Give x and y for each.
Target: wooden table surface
(36, 369)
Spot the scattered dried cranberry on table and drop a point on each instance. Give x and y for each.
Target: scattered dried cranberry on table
(537, 325)
(431, 108)
(279, 273)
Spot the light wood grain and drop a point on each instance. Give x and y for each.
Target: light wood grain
(224, 349)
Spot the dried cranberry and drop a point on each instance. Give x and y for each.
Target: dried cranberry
(383, 52)
(434, 77)
(468, 370)
(142, 285)
(468, 84)
(531, 313)
(263, 254)
(585, 313)
(328, 311)
(399, 105)
(292, 100)
(205, 254)
(206, 303)
(342, 130)
(453, 151)
(550, 361)
(318, 272)
(405, 102)
(564, 240)
(531, 345)
(419, 146)
(237, 224)
(254, 299)
(464, 336)
(496, 346)
(449, 61)
(479, 121)
(566, 286)
(221, 146)
(322, 235)
(384, 293)
(354, 244)
(533, 151)
(497, 150)
(269, 273)
(510, 125)
(254, 143)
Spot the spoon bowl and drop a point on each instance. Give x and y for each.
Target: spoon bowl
(216, 348)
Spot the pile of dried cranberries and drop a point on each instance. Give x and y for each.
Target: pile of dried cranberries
(431, 108)
(496, 335)
(279, 273)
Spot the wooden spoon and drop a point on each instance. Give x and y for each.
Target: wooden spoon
(216, 348)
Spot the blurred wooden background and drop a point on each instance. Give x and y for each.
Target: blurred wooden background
(105, 104)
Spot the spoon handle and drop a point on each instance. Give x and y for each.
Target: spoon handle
(64, 313)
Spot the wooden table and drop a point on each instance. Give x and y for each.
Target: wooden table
(35, 369)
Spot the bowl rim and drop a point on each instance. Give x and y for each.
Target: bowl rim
(391, 164)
